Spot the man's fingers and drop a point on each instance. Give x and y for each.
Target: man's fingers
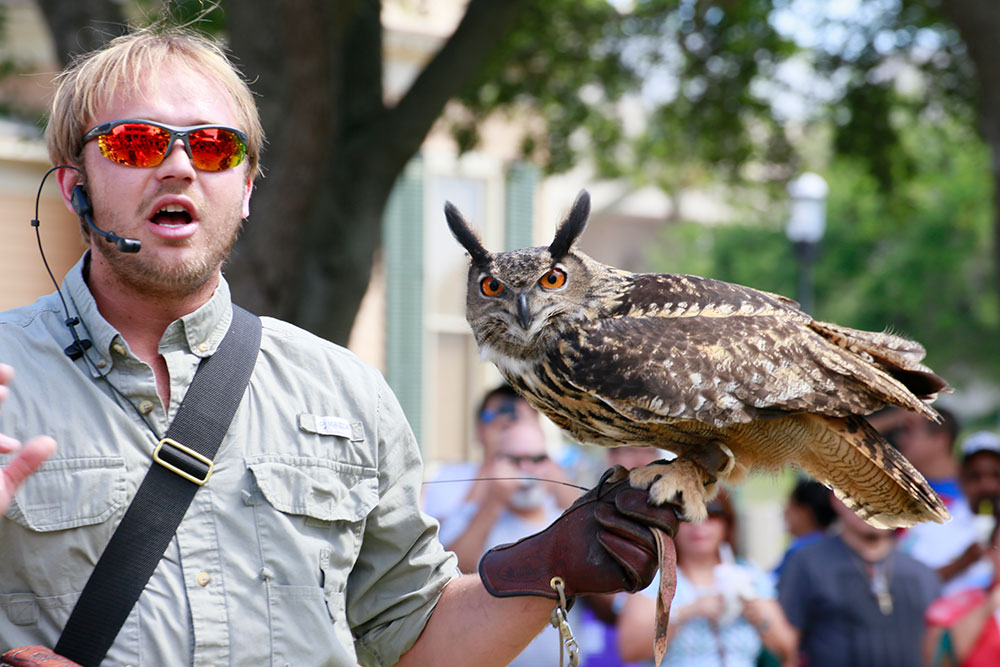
(8, 444)
(26, 461)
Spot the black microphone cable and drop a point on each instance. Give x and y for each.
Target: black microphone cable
(77, 349)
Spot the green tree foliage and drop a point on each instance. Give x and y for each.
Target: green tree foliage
(916, 260)
(692, 62)
(882, 41)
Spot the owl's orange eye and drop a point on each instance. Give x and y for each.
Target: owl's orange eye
(554, 279)
(491, 286)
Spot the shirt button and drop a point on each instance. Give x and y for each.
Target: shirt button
(146, 407)
(203, 347)
(203, 578)
(118, 349)
(102, 363)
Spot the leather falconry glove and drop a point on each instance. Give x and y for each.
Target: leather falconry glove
(603, 543)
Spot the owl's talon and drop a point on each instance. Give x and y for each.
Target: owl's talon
(730, 465)
(679, 482)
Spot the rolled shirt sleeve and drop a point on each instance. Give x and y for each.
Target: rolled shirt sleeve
(402, 567)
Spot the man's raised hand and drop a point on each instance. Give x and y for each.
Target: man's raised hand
(27, 457)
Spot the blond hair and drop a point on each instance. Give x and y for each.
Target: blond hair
(131, 63)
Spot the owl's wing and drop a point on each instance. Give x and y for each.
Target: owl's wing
(688, 348)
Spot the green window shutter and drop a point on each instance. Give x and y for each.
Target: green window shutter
(522, 178)
(402, 248)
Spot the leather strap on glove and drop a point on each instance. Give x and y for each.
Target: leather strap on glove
(600, 544)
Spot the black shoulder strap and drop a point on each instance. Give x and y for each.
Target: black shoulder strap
(185, 456)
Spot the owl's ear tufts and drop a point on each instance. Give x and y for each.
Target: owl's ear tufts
(463, 234)
(571, 227)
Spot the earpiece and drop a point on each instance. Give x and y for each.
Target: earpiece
(81, 204)
(80, 201)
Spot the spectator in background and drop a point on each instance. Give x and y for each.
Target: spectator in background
(455, 485)
(963, 627)
(952, 548)
(980, 476)
(808, 514)
(723, 612)
(517, 499)
(854, 599)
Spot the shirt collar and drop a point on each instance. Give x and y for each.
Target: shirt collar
(199, 332)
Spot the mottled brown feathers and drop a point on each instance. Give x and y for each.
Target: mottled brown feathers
(710, 370)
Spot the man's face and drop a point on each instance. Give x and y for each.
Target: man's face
(186, 219)
(499, 414)
(523, 446)
(981, 479)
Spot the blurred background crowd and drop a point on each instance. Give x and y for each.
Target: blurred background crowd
(841, 593)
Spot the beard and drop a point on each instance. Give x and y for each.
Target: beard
(155, 275)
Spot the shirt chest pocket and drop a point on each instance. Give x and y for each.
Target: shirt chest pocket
(310, 516)
(70, 493)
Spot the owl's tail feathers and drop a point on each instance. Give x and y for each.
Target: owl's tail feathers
(868, 474)
(893, 355)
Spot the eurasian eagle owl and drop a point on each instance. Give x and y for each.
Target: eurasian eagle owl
(727, 377)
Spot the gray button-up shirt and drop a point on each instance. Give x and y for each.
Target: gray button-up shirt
(306, 547)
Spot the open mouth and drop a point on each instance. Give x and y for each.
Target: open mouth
(172, 215)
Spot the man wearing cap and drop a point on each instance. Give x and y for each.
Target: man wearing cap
(964, 626)
(951, 548)
(980, 474)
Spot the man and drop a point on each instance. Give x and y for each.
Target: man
(951, 548)
(980, 479)
(854, 599)
(518, 496)
(964, 625)
(305, 546)
(517, 500)
(980, 473)
(457, 485)
(807, 516)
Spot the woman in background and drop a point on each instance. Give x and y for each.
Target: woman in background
(724, 610)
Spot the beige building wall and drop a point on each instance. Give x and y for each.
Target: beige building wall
(23, 162)
(22, 274)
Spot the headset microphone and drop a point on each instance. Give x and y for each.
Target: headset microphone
(81, 204)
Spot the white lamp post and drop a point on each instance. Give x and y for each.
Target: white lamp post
(806, 223)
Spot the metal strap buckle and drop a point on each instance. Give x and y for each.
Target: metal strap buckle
(189, 464)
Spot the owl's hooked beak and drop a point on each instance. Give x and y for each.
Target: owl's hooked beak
(523, 316)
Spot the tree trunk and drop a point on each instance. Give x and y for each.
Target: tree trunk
(978, 22)
(81, 25)
(334, 148)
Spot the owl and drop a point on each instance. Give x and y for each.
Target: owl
(728, 378)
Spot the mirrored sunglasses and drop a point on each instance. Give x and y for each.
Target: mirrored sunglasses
(507, 408)
(144, 143)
